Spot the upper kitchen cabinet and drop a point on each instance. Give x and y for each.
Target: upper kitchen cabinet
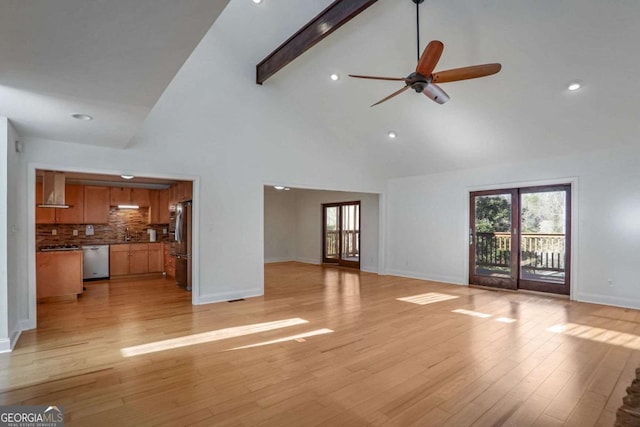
(140, 197)
(181, 192)
(129, 196)
(158, 207)
(96, 205)
(74, 197)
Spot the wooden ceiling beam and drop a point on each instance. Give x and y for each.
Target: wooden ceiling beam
(333, 17)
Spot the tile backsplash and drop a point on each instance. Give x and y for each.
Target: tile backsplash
(114, 232)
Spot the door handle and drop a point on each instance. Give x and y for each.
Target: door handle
(470, 237)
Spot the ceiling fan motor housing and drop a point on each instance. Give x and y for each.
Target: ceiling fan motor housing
(417, 81)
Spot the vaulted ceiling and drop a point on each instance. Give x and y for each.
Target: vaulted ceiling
(113, 59)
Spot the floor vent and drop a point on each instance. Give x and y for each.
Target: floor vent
(236, 300)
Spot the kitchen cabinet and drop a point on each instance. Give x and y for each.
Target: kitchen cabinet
(156, 263)
(74, 197)
(58, 274)
(181, 192)
(169, 261)
(125, 259)
(96, 205)
(118, 260)
(129, 196)
(139, 258)
(158, 207)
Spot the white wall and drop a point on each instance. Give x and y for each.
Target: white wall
(13, 271)
(279, 225)
(308, 243)
(18, 293)
(427, 221)
(213, 124)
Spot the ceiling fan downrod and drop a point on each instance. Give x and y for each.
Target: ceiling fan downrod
(418, 3)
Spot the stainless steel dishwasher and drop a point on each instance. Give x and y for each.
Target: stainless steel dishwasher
(95, 263)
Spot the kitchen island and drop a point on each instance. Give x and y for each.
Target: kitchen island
(58, 274)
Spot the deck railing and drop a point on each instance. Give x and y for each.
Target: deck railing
(538, 251)
(350, 243)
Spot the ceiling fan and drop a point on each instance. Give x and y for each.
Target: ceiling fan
(423, 79)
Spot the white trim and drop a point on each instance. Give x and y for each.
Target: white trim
(449, 280)
(5, 345)
(382, 236)
(228, 296)
(368, 269)
(308, 260)
(273, 260)
(624, 302)
(573, 181)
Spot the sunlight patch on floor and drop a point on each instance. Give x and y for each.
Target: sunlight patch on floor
(505, 320)
(471, 313)
(428, 298)
(220, 334)
(299, 338)
(592, 333)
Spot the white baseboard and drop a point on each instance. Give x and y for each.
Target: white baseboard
(425, 276)
(5, 345)
(272, 260)
(368, 269)
(228, 296)
(308, 261)
(608, 300)
(8, 344)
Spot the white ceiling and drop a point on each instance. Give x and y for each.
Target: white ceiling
(111, 59)
(100, 59)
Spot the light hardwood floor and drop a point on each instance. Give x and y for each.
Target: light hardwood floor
(325, 346)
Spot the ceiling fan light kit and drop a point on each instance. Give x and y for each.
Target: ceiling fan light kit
(424, 80)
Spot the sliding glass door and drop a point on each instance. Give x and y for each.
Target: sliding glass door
(491, 232)
(341, 234)
(520, 238)
(545, 251)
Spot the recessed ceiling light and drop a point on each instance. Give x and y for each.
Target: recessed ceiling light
(335, 77)
(81, 116)
(257, 1)
(392, 134)
(574, 86)
(278, 187)
(127, 176)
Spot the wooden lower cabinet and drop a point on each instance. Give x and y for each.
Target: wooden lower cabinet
(58, 274)
(118, 260)
(156, 258)
(139, 258)
(135, 258)
(169, 261)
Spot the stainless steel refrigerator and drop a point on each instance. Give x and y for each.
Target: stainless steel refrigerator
(182, 245)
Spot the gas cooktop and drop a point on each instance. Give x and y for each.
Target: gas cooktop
(51, 248)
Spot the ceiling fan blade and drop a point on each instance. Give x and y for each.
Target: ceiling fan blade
(430, 57)
(398, 92)
(466, 73)
(435, 93)
(377, 78)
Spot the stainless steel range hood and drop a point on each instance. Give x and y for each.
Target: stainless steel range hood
(53, 190)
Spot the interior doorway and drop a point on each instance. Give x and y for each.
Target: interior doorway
(520, 238)
(341, 234)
